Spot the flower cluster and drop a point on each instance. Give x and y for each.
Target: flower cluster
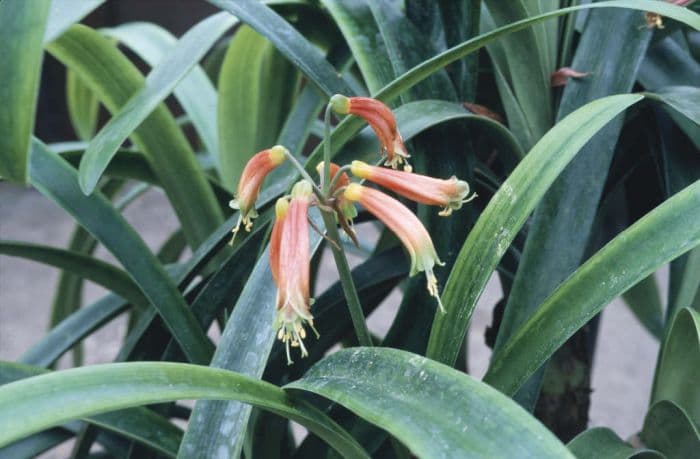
(289, 240)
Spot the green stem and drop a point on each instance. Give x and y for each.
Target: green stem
(341, 262)
(297, 165)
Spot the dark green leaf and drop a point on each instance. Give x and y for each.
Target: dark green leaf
(603, 443)
(668, 429)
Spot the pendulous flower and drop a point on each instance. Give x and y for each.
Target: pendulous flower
(251, 180)
(381, 120)
(399, 219)
(449, 194)
(290, 262)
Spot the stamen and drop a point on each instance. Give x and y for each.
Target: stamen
(433, 289)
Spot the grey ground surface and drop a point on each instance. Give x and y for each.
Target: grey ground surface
(624, 362)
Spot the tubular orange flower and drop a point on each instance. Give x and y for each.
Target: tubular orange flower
(251, 180)
(292, 260)
(281, 207)
(449, 194)
(399, 219)
(381, 120)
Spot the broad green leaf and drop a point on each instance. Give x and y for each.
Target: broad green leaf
(562, 223)
(668, 429)
(22, 26)
(527, 60)
(256, 87)
(64, 13)
(364, 39)
(506, 213)
(289, 42)
(33, 404)
(195, 92)
(684, 99)
(57, 180)
(114, 80)
(434, 410)
(244, 347)
(660, 236)
(36, 444)
(139, 424)
(158, 85)
(98, 271)
(349, 126)
(644, 300)
(678, 371)
(72, 330)
(83, 106)
(603, 443)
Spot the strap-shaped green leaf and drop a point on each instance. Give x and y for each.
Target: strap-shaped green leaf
(678, 371)
(114, 80)
(139, 424)
(57, 180)
(159, 84)
(660, 236)
(64, 13)
(668, 429)
(195, 92)
(603, 443)
(256, 90)
(436, 411)
(505, 215)
(22, 27)
(289, 42)
(72, 329)
(98, 271)
(33, 404)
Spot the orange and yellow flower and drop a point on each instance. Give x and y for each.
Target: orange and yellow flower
(449, 194)
(399, 219)
(251, 181)
(381, 120)
(290, 261)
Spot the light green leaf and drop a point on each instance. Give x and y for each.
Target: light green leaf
(159, 84)
(195, 92)
(33, 404)
(684, 99)
(506, 213)
(113, 79)
(660, 236)
(64, 13)
(57, 180)
(434, 410)
(83, 106)
(256, 88)
(678, 371)
(668, 429)
(139, 424)
(22, 27)
(603, 443)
